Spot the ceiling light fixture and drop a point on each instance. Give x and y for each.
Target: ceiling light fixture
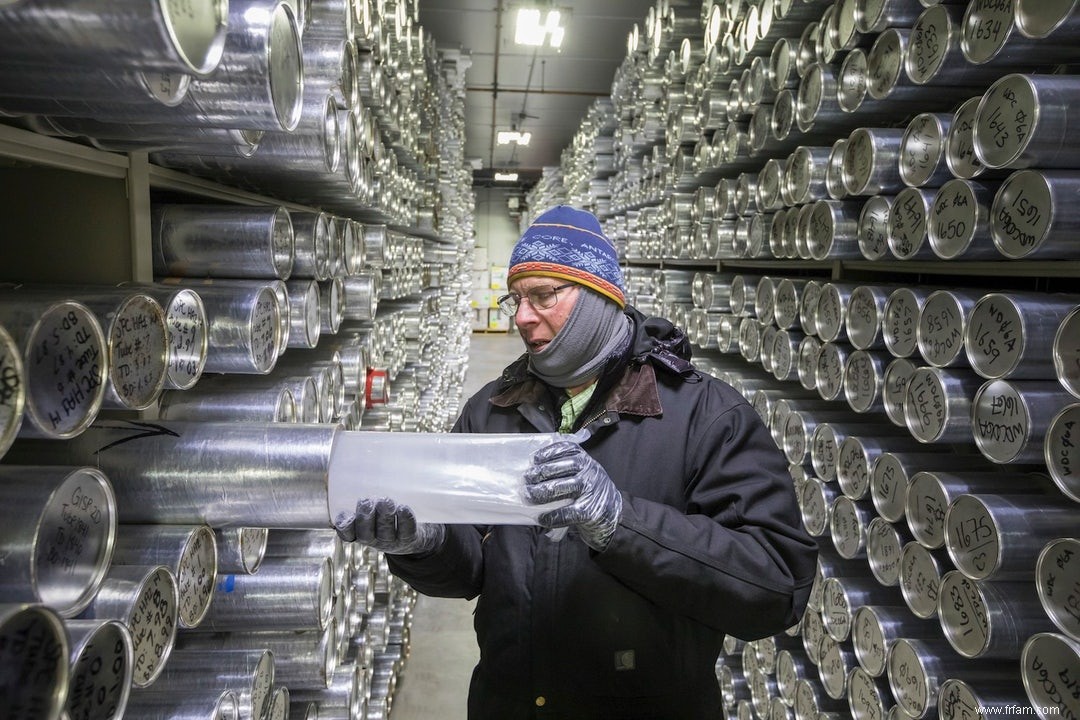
(531, 31)
(505, 137)
(506, 177)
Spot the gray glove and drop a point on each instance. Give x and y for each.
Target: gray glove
(563, 470)
(389, 527)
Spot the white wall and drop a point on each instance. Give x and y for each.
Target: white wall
(495, 229)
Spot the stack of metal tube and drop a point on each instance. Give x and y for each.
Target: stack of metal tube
(287, 319)
(850, 169)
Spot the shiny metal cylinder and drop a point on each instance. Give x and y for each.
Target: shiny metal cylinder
(60, 533)
(305, 324)
(1023, 120)
(1041, 19)
(13, 394)
(943, 324)
(865, 313)
(245, 326)
(959, 222)
(144, 598)
(190, 552)
(786, 302)
(785, 353)
(64, 356)
(829, 371)
(1010, 418)
(260, 82)
(790, 668)
(856, 456)
(197, 702)
(934, 55)
(960, 153)
(240, 549)
(956, 696)
(894, 389)
(847, 527)
(1032, 215)
(1010, 335)
(311, 244)
(831, 318)
(286, 594)
(931, 492)
(873, 227)
(1047, 662)
(937, 404)
(809, 349)
(920, 580)
(815, 504)
(872, 161)
(34, 666)
(220, 474)
(829, 436)
(1057, 580)
(270, 404)
(988, 619)
(834, 665)
(908, 224)
(806, 174)
(922, 150)
(891, 475)
(101, 669)
(996, 537)
(917, 669)
(1066, 353)
(866, 695)
(833, 232)
(900, 326)
(187, 326)
(842, 597)
(158, 38)
(884, 544)
(222, 241)
(834, 171)
(249, 674)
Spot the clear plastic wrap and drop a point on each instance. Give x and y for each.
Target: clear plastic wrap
(445, 478)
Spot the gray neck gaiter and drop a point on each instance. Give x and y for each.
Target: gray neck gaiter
(595, 330)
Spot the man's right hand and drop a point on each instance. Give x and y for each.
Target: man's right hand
(389, 527)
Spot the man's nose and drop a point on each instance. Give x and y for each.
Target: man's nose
(526, 313)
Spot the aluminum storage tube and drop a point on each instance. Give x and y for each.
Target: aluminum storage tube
(863, 320)
(899, 328)
(834, 171)
(943, 324)
(286, 594)
(908, 224)
(830, 435)
(955, 697)
(240, 549)
(1047, 663)
(856, 457)
(1041, 19)
(875, 627)
(196, 702)
(884, 544)
(920, 580)
(1010, 418)
(960, 153)
(158, 37)
(305, 323)
(988, 620)
(311, 244)
(835, 664)
(891, 476)
(143, 598)
(222, 474)
(873, 230)
(937, 405)
(34, 667)
(60, 534)
(1060, 454)
(894, 389)
(995, 537)
(871, 161)
(190, 552)
(786, 302)
(959, 222)
(833, 230)
(922, 150)
(934, 55)
(815, 504)
(1033, 215)
(259, 83)
(841, 598)
(790, 668)
(13, 390)
(809, 349)
(1023, 121)
(268, 404)
(867, 695)
(931, 492)
(64, 358)
(1057, 579)
(1010, 335)
(187, 326)
(101, 669)
(222, 240)
(806, 176)
(245, 334)
(917, 669)
(282, 543)
(847, 527)
(249, 674)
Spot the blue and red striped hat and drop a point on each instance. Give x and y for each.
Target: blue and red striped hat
(569, 244)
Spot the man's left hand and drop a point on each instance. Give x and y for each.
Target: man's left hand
(564, 471)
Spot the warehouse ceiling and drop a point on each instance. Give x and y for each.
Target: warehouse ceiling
(543, 91)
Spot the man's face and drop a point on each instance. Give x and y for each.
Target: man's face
(537, 325)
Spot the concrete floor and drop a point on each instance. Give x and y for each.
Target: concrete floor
(435, 682)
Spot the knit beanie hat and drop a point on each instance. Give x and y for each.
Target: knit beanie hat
(568, 243)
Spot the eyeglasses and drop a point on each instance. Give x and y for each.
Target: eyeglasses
(540, 298)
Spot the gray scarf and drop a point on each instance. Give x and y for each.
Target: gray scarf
(595, 331)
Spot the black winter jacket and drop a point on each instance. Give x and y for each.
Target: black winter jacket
(709, 542)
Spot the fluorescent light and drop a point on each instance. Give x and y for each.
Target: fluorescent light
(505, 137)
(505, 177)
(530, 31)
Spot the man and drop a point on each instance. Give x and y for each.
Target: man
(683, 521)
